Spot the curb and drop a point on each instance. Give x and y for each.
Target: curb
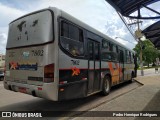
(138, 82)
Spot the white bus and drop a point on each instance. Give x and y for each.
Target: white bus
(52, 55)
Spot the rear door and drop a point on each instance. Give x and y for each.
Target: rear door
(121, 65)
(94, 69)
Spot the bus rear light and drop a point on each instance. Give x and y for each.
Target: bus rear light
(39, 88)
(49, 73)
(63, 82)
(62, 89)
(84, 78)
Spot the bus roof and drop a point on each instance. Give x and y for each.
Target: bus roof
(89, 28)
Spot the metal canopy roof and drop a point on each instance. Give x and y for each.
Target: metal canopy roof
(153, 33)
(127, 7)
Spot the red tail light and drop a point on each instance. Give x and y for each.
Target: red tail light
(49, 73)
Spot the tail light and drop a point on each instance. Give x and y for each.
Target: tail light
(49, 73)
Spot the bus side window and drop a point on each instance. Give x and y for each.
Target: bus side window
(121, 56)
(73, 33)
(105, 44)
(64, 29)
(115, 53)
(91, 50)
(106, 53)
(130, 60)
(110, 46)
(126, 56)
(72, 38)
(132, 57)
(80, 35)
(97, 52)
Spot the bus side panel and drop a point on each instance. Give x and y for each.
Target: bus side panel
(129, 68)
(125, 71)
(130, 71)
(114, 70)
(104, 71)
(72, 77)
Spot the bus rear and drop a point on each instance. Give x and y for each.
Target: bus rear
(30, 55)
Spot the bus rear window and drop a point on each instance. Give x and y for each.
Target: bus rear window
(32, 29)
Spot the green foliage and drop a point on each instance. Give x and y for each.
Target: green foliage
(150, 53)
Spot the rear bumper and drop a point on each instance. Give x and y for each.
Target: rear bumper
(34, 90)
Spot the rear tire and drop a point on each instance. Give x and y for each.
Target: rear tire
(1, 78)
(106, 85)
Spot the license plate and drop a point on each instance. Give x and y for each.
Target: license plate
(22, 90)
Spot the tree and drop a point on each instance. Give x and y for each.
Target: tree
(149, 52)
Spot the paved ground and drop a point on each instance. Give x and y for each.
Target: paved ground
(144, 98)
(129, 97)
(148, 72)
(14, 101)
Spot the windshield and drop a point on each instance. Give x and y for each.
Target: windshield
(32, 29)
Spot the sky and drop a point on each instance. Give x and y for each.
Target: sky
(96, 13)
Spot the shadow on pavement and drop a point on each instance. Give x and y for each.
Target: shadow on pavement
(152, 106)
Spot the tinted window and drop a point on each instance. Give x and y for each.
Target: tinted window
(91, 48)
(121, 56)
(70, 31)
(128, 56)
(109, 51)
(105, 44)
(110, 46)
(97, 54)
(73, 32)
(64, 29)
(132, 58)
(72, 39)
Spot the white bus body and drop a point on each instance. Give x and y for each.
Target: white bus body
(40, 62)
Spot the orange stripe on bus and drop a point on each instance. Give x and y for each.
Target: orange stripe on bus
(119, 69)
(111, 67)
(114, 73)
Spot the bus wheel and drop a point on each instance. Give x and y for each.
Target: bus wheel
(1, 78)
(106, 85)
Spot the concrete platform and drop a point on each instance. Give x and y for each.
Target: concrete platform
(144, 98)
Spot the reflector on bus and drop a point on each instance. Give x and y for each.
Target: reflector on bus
(49, 73)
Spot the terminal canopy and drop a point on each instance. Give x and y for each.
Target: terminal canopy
(127, 7)
(153, 33)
